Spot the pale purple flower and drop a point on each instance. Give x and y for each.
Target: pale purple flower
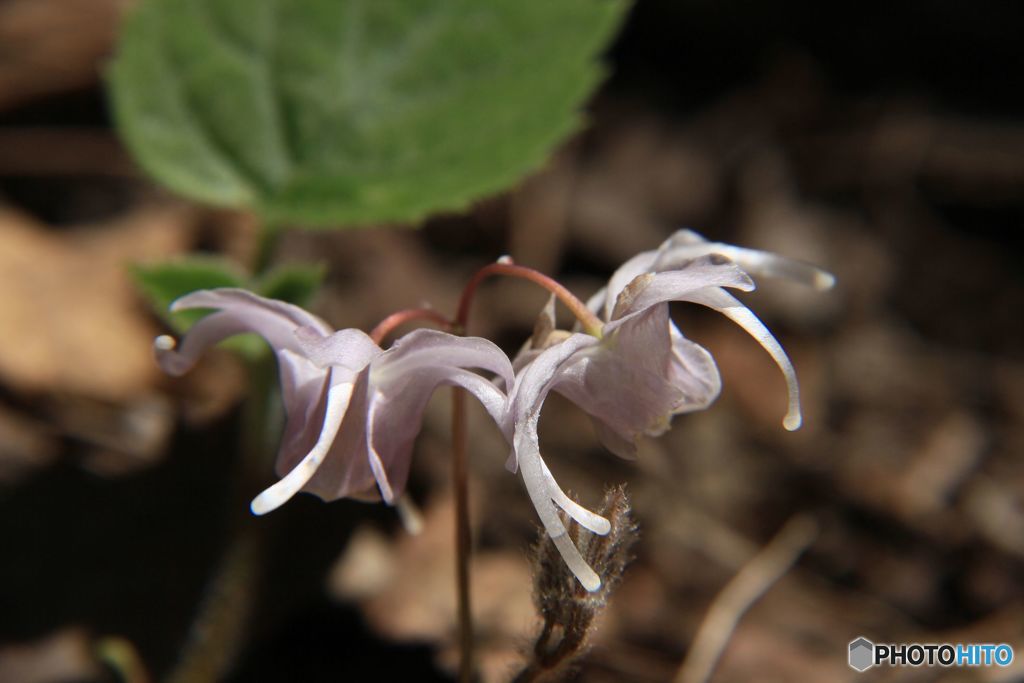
(641, 371)
(353, 409)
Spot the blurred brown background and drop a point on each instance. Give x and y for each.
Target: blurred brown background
(884, 141)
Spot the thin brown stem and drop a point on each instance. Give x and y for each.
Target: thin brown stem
(390, 323)
(591, 323)
(463, 540)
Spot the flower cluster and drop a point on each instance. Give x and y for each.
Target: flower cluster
(353, 408)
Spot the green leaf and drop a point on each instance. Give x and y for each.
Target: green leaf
(162, 283)
(353, 111)
(294, 283)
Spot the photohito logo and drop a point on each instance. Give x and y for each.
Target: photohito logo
(864, 654)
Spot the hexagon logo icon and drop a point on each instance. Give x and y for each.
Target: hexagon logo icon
(862, 654)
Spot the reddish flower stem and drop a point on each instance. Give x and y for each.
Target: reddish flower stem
(388, 324)
(591, 323)
(460, 472)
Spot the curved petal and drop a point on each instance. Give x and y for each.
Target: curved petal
(245, 302)
(701, 282)
(686, 245)
(609, 384)
(584, 517)
(729, 306)
(178, 358)
(623, 275)
(399, 461)
(524, 357)
(539, 484)
(694, 373)
(753, 261)
(533, 383)
(304, 389)
(395, 417)
(402, 381)
(624, 446)
(644, 370)
(349, 350)
(422, 348)
(238, 311)
(531, 388)
(640, 374)
(650, 289)
(345, 470)
(338, 397)
(644, 262)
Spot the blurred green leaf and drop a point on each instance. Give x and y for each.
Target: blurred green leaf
(162, 283)
(294, 283)
(353, 111)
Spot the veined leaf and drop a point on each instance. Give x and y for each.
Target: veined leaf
(353, 111)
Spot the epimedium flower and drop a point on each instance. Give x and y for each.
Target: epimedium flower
(689, 268)
(633, 369)
(352, 408)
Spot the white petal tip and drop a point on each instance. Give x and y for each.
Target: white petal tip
(601, 526)
(164, 342)
(263, 503)
(823, 280)
(592, 582)
(410, 515)
(505, 260)
(792, 422)
(179, 304)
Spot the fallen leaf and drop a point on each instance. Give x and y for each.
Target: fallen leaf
(72, 322)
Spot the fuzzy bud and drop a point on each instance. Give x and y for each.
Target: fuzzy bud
(568, 609)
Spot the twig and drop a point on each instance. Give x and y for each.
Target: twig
(753, 581)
